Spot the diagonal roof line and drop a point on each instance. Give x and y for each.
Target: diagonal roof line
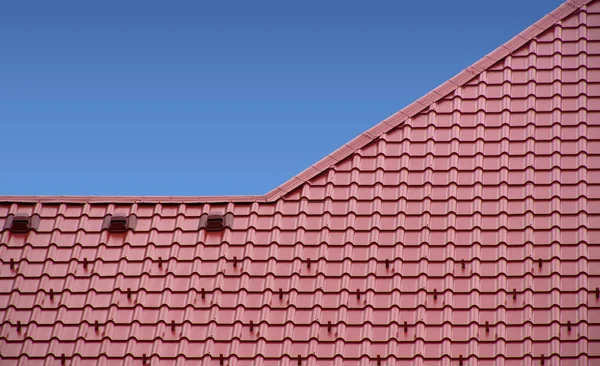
(402, 116)
(397, 119)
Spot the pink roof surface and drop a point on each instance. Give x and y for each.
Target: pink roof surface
(463, 229)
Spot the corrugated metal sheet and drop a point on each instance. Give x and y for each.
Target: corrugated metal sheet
(469, 232)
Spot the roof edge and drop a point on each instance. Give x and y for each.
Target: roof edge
(131, 199)
(395, 120)
(402, 116)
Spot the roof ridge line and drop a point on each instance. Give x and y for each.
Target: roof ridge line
(403, 115)
(131, 199)
(395, 120)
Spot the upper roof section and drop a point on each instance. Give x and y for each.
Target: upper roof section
(431, 101)
(448, 90)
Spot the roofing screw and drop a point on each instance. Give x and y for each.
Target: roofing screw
(357, 293)
(405, 326)
(144, 359)
(280, 293)
(96, 326)
(329, 326)
(542, 359)
(234, 262)
(307, 262)
(514, 293)
(12, 263)
(487, 327)
(63, 359)
(19, 326)
(540, 262)
(85, 263)
(221, 361)
(462, 264)
(435, 293)
(251, 326)
(51, 295)
(460, 359)
(379, 359)
(159, 262)
(387, 263)
(569, 325)
(129, 293)
(203, 293)
(597, 292)
(299, 360)
(173, 326)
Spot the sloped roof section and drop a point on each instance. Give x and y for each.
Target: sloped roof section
(463, 230)
(450, 87)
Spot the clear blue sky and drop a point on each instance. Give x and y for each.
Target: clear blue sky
(217, 97)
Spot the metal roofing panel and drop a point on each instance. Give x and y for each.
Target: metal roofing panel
(466, 228)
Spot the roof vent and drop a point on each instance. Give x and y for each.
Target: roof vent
(215, 221)
(119, 223)
(21, 223)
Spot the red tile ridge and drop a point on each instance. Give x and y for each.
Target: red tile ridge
(441, 91)
(395, 120)
(131, 199)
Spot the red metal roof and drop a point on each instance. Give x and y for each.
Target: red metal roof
(464, 228)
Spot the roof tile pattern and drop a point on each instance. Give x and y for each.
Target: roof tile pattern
(468, 235)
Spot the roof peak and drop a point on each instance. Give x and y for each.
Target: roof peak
(397, 119)
(401, 117)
